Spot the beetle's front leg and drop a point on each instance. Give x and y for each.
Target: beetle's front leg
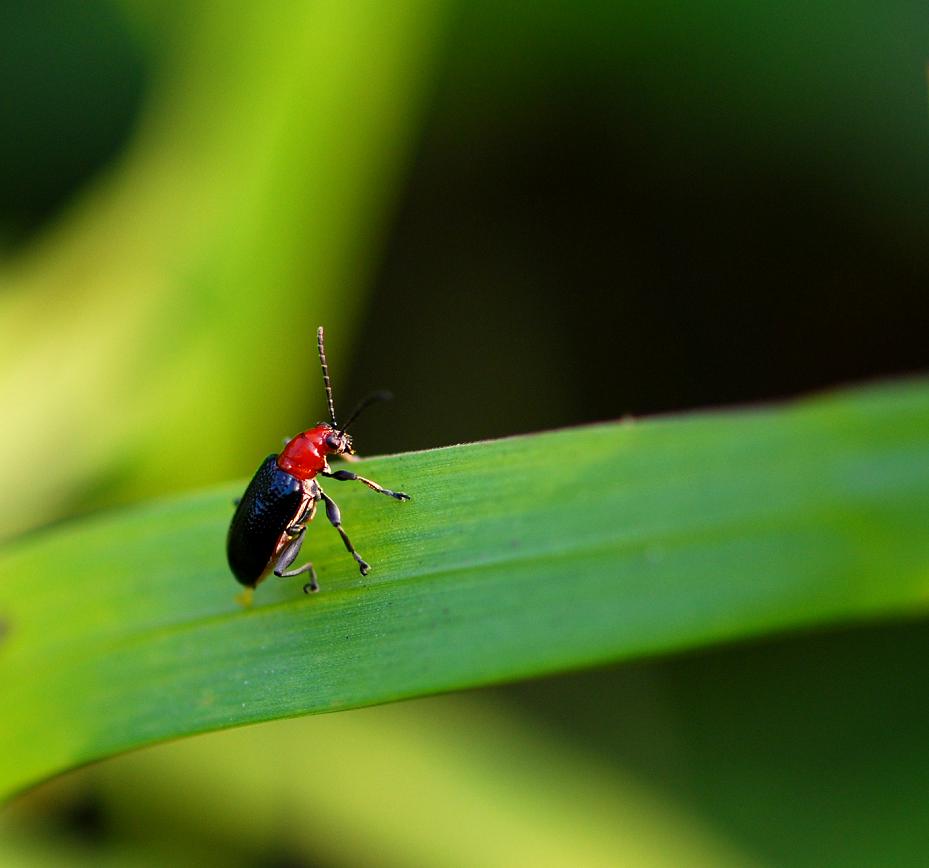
(348, 476)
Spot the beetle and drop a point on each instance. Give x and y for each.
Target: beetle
(270, 521)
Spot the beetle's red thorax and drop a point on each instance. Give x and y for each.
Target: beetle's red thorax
(305, 455)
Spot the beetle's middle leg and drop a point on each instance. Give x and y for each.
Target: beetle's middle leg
(288, 556)
(335, 519)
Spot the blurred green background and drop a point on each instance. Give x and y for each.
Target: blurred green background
(516, 217)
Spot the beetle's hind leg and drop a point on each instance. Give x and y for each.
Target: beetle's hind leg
(288, 556)
(309, 511)
(306, 516)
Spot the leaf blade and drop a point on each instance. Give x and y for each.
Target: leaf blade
(516, 558)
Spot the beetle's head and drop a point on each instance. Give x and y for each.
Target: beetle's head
(337, 442)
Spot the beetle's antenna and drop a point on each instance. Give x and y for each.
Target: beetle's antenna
(326, 382)
(373, 398)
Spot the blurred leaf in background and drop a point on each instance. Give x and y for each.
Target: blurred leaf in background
(158, 333)
(442, 782)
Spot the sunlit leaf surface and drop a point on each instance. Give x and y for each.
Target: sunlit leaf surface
(515, 558)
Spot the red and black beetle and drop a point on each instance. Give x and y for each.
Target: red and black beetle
(270, 520)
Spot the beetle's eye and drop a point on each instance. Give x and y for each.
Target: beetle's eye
(333, 442)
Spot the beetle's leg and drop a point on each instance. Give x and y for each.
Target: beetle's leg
(299, 526)
(347, 475)
(335, 519)
(288, 556)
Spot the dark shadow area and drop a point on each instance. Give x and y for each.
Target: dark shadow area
(819, 739)
(72, 81)
(590, 233)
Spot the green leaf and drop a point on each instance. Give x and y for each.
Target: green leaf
(515, 558)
